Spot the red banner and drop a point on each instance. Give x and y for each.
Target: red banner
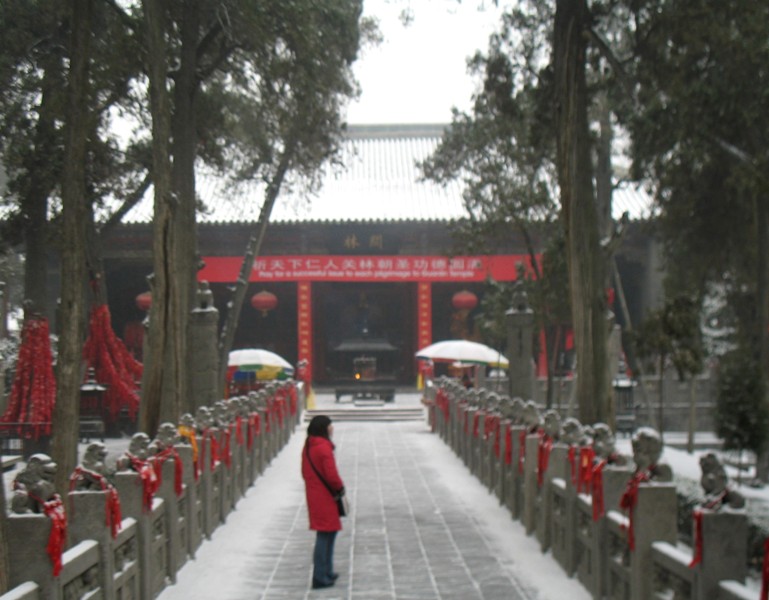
(424, 315)
(226, 269)
(304, 323)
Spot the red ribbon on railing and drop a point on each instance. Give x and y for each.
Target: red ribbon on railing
(585, 469)
(114, 517)
(596, 486)
(214, 443)
(226, 446)
(697, 557)
(491, 428)
(239, 430)
(293, 397)
(573, 463)
(54, 510)
(629, 500)
(476, 422)
(508, 444)
(544, 447)
(160, 458)
(765, 572)
(148, 478)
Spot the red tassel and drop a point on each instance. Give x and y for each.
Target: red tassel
(765, 572)
(596, 486)
(697, 558)
(543, 457)
(508, 444)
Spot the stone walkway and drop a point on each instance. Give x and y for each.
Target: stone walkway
(421, 527)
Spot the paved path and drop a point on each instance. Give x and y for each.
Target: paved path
(421, 528)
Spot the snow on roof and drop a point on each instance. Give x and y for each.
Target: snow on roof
(378, 181)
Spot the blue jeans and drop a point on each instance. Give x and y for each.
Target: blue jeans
(323, 557)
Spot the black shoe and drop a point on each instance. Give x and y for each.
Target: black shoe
(334, 576)
(317, 585)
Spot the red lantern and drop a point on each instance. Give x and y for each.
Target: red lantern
(144, 301)
(264, 301)
(464, 300)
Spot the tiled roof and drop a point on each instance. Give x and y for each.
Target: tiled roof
(379, 181)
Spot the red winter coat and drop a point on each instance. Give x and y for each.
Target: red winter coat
(321, 506)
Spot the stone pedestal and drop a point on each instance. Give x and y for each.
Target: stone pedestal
(88, 521)
(28, 560)
(654, 519)
(515, 496)
(520, 333)
(557, 467)
(530, 487)
(724, 538)
(194, 503)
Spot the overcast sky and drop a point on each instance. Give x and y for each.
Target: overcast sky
(419, 70)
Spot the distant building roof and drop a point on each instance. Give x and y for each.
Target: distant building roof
(379, 181)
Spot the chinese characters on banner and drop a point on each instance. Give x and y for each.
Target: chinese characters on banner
(366, 268)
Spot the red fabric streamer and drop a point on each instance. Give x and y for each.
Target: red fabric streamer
(148, 478)
(491, 428)
(214, 443)
(54, 510)
(543, 456)
(585, 469)
(629, 500)
(573, 463)
(239, 430)
(114, 517)
(476, 422)
(226, 451)
(508, 444)
(160, 458)
(294, 399)
(113, 364)
(442, 402)
(697, 557)
(596, 486)
(33, 392)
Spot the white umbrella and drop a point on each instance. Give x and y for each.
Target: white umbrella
(251, 359)
(464, 351)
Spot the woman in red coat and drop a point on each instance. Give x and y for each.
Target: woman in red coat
(322, 483)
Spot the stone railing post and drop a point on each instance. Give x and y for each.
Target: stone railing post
(724, 539)
(652, 520)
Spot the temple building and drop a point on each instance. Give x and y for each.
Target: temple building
(365, 265)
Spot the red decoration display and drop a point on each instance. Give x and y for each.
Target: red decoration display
(144, 301)
(464, 300)
(33, 393)
(113, 364)
(264, 301)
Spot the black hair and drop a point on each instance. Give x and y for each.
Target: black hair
(319, 426)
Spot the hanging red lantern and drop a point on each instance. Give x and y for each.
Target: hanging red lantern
(464, 300)
(264, 301)
(144, 301)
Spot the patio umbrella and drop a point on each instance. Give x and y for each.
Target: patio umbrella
(258, 363)
(463, 351)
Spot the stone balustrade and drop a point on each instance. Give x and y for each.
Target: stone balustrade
(153, 542)
(574, 512)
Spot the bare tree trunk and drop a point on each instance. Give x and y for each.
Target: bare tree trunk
(586, 261)
(73, 270)
(184, 150)
(761, 345)
(165, 303)
(254, 246)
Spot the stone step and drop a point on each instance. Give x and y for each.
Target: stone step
(368, 413)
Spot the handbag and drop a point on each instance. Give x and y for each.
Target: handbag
(342, 505)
